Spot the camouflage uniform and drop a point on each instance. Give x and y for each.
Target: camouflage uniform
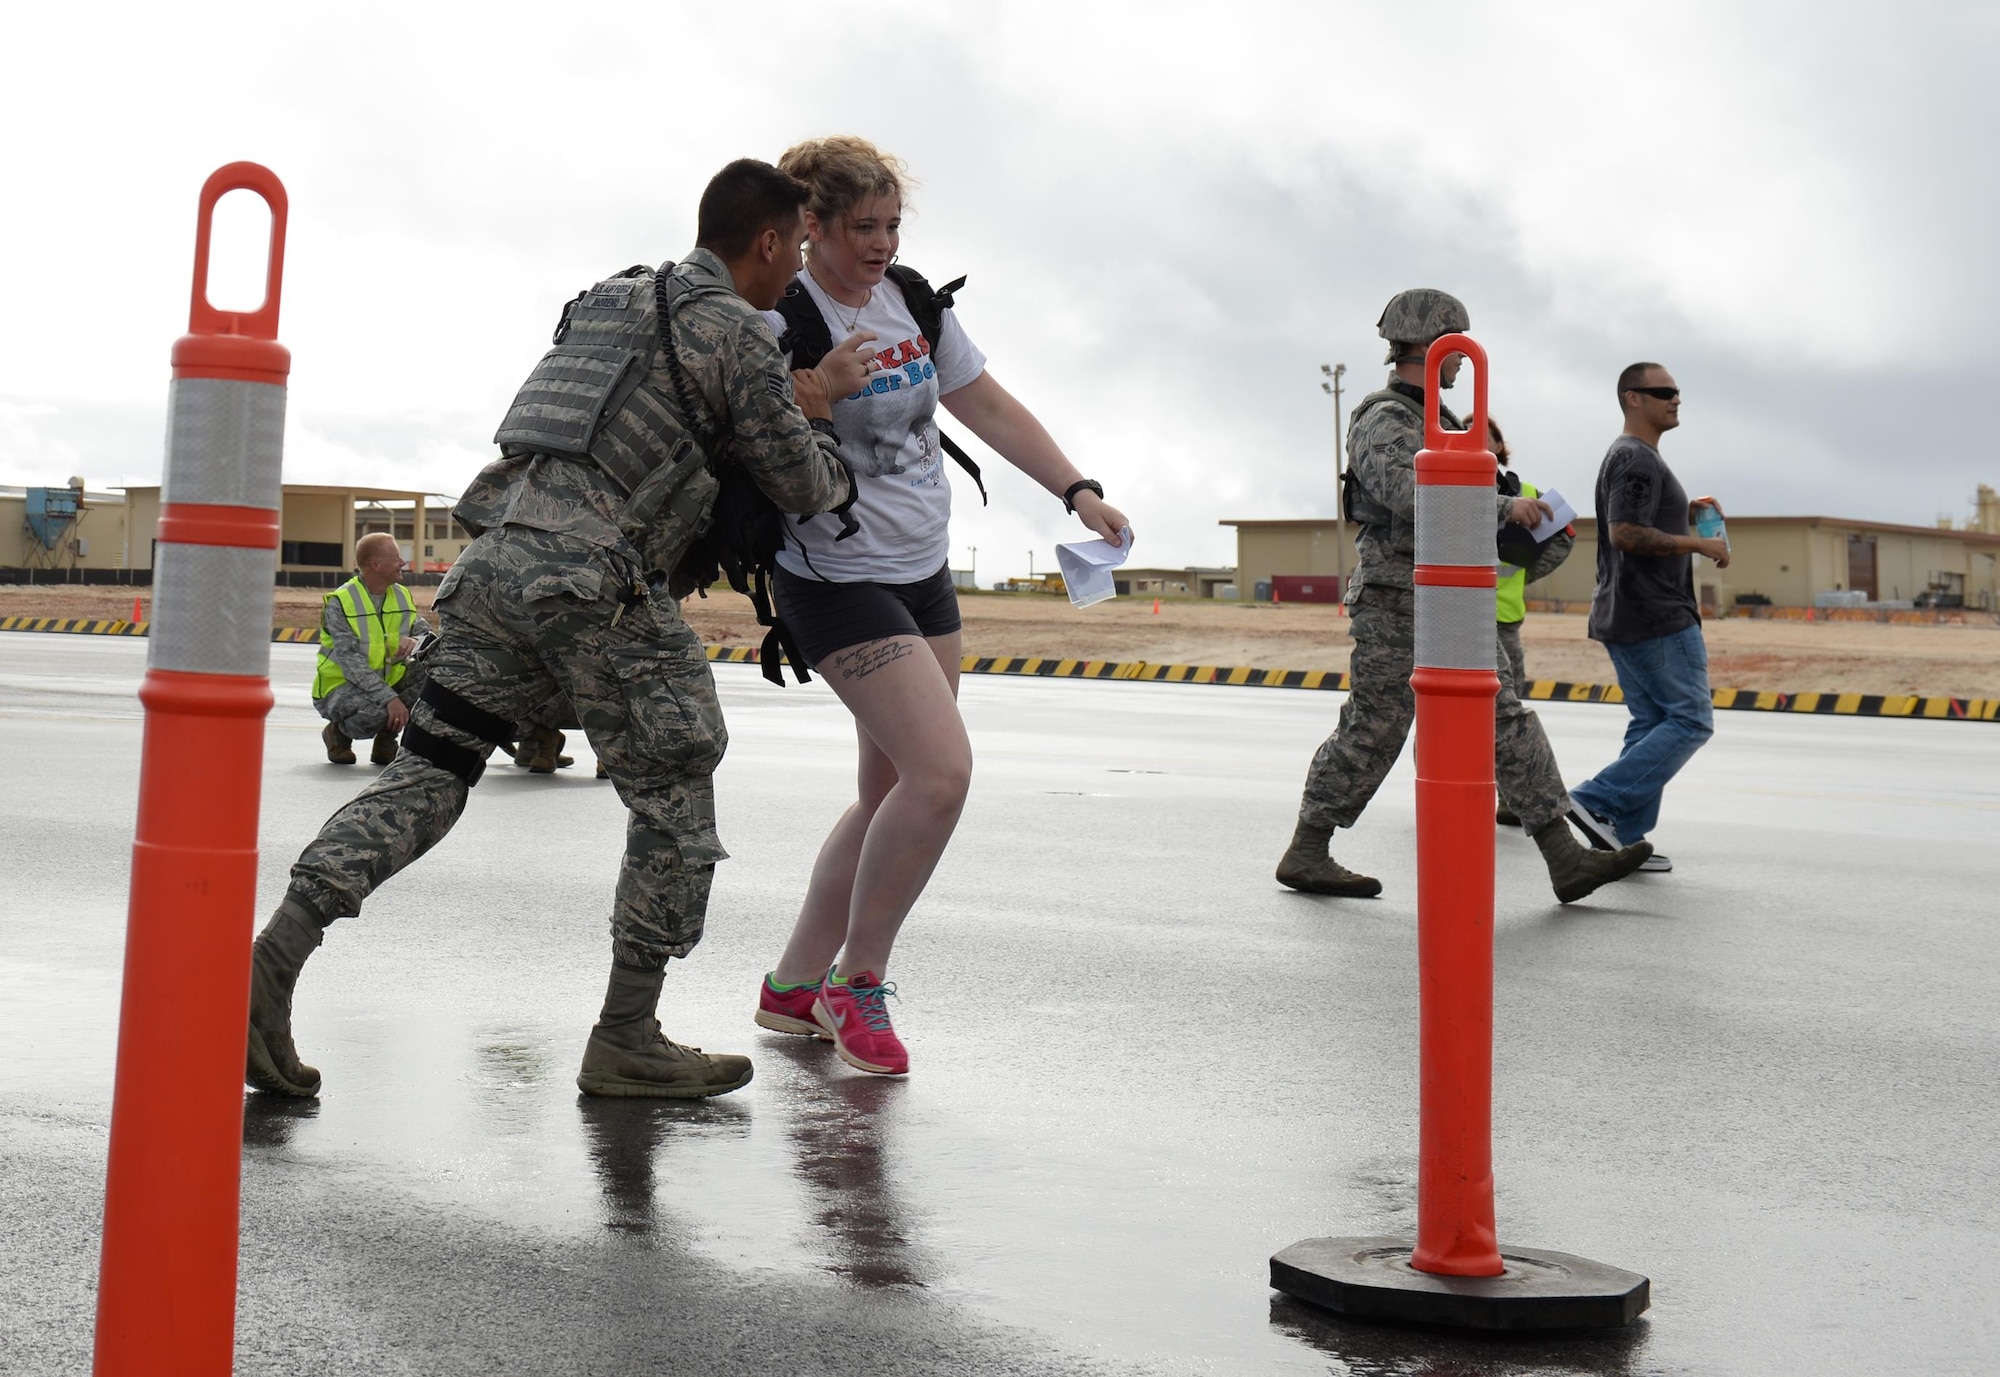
(1513, 662)
(359, 707)
(555, 596)
(1382, 443)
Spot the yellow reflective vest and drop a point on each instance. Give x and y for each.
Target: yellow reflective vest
(1510, 597)
(380, 629)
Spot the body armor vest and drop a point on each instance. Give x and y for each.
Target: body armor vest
(1357, 504)
(594, 395)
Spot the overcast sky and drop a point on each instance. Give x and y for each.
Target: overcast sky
(1170, 214)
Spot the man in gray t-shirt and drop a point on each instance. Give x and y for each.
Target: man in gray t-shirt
(1644, 613)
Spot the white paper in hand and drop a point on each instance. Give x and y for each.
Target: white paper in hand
(1565, 514)
(1086, 567)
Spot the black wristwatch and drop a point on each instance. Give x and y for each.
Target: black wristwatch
(1069, 493)
(823, 426)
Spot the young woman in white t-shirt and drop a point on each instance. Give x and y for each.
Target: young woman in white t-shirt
(876, 614)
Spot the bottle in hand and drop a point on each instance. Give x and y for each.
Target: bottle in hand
(1708, 523)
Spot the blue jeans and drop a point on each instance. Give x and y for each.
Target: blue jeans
(1665, 683)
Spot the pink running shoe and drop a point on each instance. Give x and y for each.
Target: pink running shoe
(855, 1013)
(788, 1010)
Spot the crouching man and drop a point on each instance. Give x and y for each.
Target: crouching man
(365, 685)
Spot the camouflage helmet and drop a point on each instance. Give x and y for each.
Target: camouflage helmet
(1419, 316)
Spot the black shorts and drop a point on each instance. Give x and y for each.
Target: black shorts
(826, 617)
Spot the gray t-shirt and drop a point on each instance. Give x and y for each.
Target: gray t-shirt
(1640, 597)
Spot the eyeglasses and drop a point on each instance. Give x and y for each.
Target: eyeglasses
(1665, 394)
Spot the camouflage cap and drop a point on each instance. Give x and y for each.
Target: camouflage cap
(1420, 315)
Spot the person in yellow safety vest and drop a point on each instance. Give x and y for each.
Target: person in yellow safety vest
(1511, 596)
(365, 684)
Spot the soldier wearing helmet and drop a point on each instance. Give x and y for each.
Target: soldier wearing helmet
(1379, 496)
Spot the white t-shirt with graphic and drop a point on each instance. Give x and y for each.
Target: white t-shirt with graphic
(889, 437)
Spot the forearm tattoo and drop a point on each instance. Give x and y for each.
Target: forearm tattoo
(858, 662)
(1643, 540)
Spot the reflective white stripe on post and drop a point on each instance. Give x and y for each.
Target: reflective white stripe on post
(222, 436)
(1455, 525)
(212, 610)
(1455, 626)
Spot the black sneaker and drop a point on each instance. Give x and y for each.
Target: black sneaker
(1657, 864)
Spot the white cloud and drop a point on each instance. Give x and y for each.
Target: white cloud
(1171, 215)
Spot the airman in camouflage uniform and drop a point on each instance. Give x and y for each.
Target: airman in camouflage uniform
(558, 594)
(1383, 438)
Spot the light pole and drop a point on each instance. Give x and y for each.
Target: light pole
(1330, 384)
(1031, 566)
(973, 572)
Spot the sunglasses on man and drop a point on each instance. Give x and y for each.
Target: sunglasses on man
(1665, 394)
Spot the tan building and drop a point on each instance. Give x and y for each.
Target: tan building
(71, 534)
(442, 539)
(317, 528)
(1783, 561)
(1191, 582)
(1795, 561)
(1310, 545)
(74, 534)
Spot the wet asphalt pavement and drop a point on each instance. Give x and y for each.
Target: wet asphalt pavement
(1767, 1081)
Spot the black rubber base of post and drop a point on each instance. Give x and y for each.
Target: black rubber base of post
(1371, 1279)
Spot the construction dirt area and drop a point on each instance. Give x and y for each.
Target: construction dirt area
(1958, 659)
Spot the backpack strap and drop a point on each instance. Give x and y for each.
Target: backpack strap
(807, 337)
(927, 305)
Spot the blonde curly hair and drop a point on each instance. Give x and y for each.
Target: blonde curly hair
(843, 171)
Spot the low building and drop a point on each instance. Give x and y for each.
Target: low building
(1779, 561)
(1191, 582)
(63, 534)
(318, 525)
(1796, 561)
(1321, 548)
(72, 535)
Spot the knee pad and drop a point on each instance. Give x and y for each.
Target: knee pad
(469, 718)
(448, 756)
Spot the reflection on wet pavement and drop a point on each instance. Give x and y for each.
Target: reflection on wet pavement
(841, 1124)
(270, 1120)
(625, 1139)
(1143, 1068)
(1379, 1350)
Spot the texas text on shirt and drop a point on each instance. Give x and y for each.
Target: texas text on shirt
(889, 437)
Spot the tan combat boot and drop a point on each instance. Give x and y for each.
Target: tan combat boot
(1307, 867)
(541, 752)
(628, 1055)
(339, 750)
(1576, 871)
(384, 750)
(272, 1063)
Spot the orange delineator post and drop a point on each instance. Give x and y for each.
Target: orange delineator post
(167, 1278)
(1455, 682)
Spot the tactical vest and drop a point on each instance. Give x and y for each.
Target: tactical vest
(380, 631)
(1357, 504)
(591, 397)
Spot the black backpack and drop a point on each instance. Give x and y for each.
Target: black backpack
(745, 531)
(808, 338)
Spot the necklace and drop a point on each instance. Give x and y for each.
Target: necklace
(850, 325)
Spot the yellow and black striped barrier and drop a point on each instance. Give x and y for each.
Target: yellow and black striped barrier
(78, 626)
(1936, 707)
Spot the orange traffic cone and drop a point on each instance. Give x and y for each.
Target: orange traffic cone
(136, 618)
(1156, 607)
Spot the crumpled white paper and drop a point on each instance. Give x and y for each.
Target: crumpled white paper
(1086, 568)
